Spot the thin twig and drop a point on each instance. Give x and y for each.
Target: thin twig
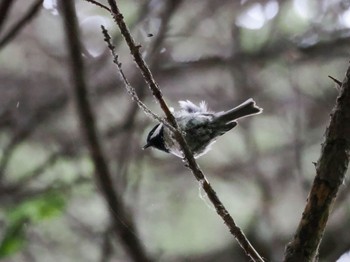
(123, 224)
(128, 87)
(13, 31)
(151, 56)
(338, 83)
(188, 156)
(99, 4)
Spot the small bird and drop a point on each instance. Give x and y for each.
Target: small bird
(200, 127)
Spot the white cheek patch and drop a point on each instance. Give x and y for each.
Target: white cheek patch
(157, 131)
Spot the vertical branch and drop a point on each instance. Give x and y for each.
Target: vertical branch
(123, 224)
(188, 156)
(330, 173)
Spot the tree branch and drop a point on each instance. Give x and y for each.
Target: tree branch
(13, 31)
(4, 11)
(123, 224)
(330, 173)
(188, 156)
(42, 113)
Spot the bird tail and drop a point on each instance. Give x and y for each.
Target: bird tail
(245, 109)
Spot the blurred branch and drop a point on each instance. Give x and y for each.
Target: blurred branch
(14, 30)
(330, 173)
(293, 51)
(5, 116)
(123, 223)
(13, 195)
(298, 133)
(50, 161)
(106, 245)
(99, 5)
(42, 113)
(189, 159)
(12, 188)
(4, 10)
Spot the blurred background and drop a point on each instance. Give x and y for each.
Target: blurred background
(279, 52)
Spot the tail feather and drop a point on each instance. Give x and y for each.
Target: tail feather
(226, 127)
(245, 109)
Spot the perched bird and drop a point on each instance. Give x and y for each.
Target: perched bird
(200, 127)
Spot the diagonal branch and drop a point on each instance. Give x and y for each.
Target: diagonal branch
(123, 224)
(188, 156)
(5, 7)
(330, 173)
(151, 56)
(13, 31)
(128, 87)
(41, 114)
(99, 5)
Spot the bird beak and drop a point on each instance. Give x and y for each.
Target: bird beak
(146, 146)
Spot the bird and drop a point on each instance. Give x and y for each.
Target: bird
(200, 127)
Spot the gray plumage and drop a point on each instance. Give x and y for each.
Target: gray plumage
(200, 126)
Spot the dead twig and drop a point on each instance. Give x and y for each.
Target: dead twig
(338, 83)
(128, 87)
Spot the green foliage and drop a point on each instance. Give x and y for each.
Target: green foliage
(48, 206)
(14, 238)
(35, 210)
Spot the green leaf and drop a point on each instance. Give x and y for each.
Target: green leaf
(14, 238)
(44, 207)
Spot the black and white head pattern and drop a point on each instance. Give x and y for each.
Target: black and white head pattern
(155, 138)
